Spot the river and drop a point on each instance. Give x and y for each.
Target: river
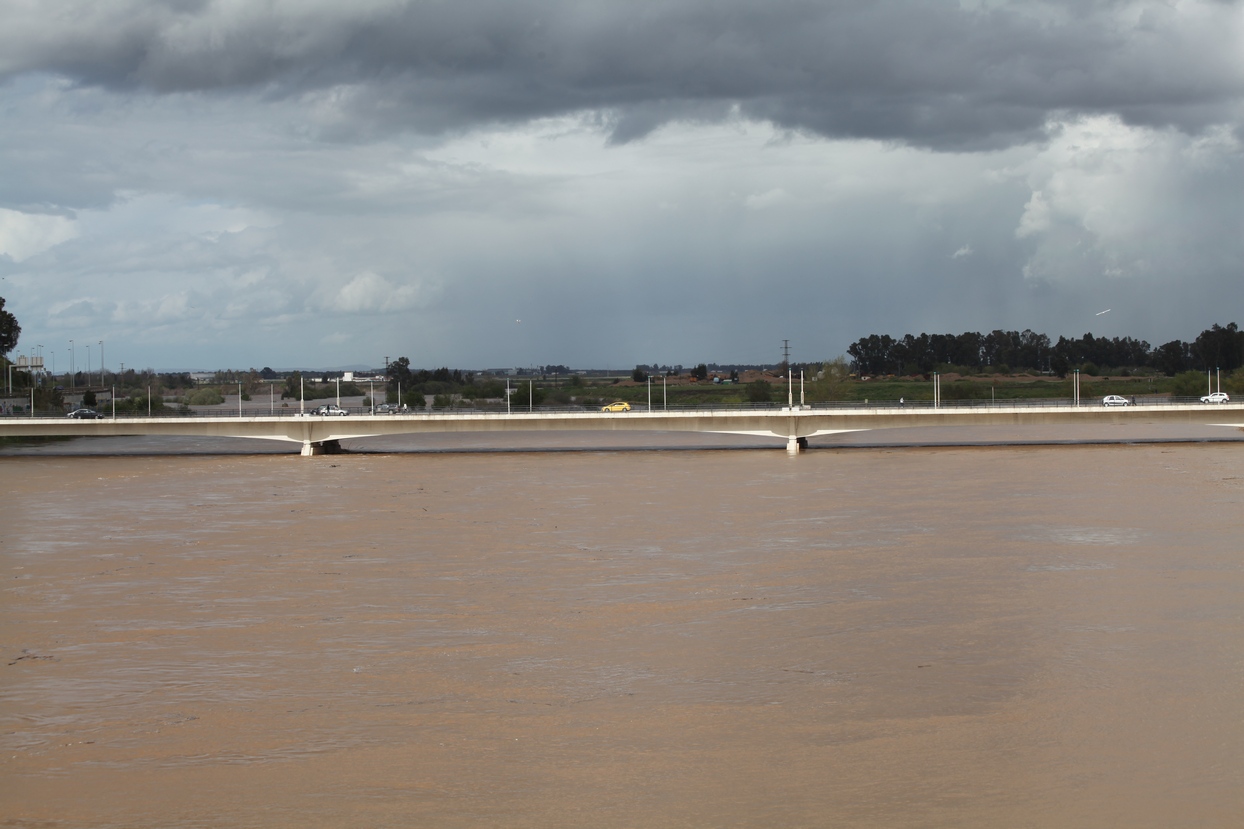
(890, 636)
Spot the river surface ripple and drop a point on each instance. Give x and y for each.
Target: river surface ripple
(907, 637)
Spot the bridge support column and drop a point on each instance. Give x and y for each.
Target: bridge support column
(326, 447)
(795, 445)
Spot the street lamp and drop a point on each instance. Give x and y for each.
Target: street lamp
(71, 365)
(101, 362)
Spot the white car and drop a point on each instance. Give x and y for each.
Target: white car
(1216, 397)
(331, 411)
(1115, 400)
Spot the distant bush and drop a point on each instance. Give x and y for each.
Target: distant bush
(759, 391)
(204, 397)
(1189, 384)
(964, 390)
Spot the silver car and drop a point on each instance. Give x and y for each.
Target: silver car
(1115, 400)
(1216, 397)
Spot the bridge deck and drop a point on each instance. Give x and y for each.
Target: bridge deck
(788, 424)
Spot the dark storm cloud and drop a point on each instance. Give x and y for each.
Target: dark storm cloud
(927, 73)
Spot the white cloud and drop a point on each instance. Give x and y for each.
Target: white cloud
(23, 235)
(1036, 216)
(1114, 200)
(962, 252)
(767, 199)
(371, 293)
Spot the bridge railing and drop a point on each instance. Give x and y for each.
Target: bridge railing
(500, 409)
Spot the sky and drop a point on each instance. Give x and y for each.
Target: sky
(201, 184)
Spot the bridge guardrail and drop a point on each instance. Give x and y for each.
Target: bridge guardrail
(922, 405)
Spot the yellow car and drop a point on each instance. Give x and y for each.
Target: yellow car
(617, 406)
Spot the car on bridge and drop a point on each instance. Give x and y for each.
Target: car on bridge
(1115, 400)
(85, 414)
(617, 406)
(331, 411)
(1216, 397)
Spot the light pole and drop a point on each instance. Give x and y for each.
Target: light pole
(88, 365)
(71, 381)
(101, 362)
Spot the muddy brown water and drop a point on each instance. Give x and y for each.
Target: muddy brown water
(1047, 636)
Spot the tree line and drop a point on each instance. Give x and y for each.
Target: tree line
(1217, 347)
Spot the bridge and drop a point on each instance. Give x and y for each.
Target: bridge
(795, 424)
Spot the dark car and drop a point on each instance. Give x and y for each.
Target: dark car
(85, 414)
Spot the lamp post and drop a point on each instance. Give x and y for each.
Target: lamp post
(101, 362)
(71, 381)
(88, 365)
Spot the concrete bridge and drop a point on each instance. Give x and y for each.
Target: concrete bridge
(321, 434)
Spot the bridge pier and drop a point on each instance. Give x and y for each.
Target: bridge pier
(326, 447)
(795, 445)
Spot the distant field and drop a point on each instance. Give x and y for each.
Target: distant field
(982, 387)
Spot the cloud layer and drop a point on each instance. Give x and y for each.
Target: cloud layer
(324, 183)
(934, 74)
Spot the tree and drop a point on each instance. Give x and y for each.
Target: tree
(9, 330)
(1172, 358)
(1219, 347)
(398, 371)
(700, 372)
(759, 391)
(293, 386)
(831, 380)
(639, 375)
